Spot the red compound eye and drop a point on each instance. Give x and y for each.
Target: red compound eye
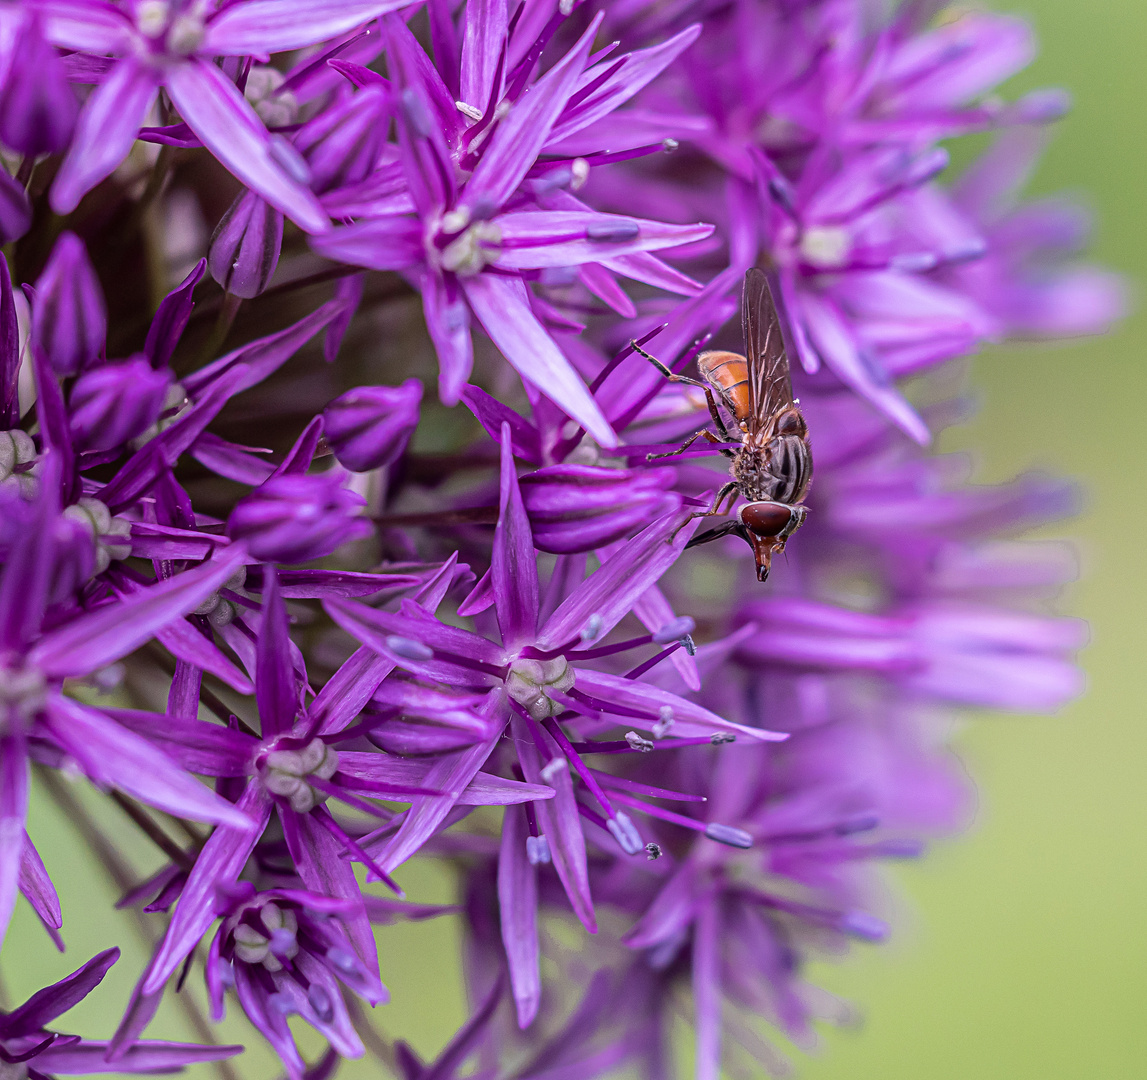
(766, 518)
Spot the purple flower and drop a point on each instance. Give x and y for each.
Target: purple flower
(474, 245)
(582, 507)
(173, 47)
(69, 320)
(368, 427)
(537, 679)
(38, 651)
(283, 952)
(28, 1047)
(37, 105)
(112, 404)
(294, 518)
(245, 248)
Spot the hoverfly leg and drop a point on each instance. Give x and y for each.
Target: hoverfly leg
(714, 412)
(704, 432)
(728, 489)
(726, 528)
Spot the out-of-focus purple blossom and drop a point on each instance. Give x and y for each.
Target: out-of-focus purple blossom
(583, 507)
(245, 248)
(29, 1048)
(69, 319)
(38, 106)
(342, 144)
(368, 427)
(294, 518)
(113, 403)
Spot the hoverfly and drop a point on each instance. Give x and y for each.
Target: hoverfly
(772, 467)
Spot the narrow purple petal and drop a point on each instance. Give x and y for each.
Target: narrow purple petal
(45, 1005)
(612, 590)
(533, 239)
(482, 44)
(97, 27)
(384, 243)
(106, 129)
(518, 904)
(707, 991)
(215, 110)
(451, 772)
(98, 638)
(514, 566)
(220, 861)
(559, 822)
(113, 756)
(171, 319)
(13, 817)
(502, 306)
(275, 688)
(196, 745)
(186, 643)
(9, 352)
(448, 321)
(38, 889)
(690, 719)
(259, 27)
(516, 143)
(318, 857)
(87, 1058)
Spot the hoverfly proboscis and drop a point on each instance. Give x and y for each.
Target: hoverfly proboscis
(772, 467)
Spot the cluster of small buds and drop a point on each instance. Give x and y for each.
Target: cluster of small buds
(366, 368)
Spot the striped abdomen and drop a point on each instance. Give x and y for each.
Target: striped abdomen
(728, 374)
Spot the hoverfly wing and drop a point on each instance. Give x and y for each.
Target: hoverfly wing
(770, 385)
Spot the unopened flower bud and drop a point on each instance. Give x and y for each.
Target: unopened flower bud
(581, 507)
(369, 426)
(69, 320)
(116, 402)
(293, 518)
(38, 106)
(245, 248)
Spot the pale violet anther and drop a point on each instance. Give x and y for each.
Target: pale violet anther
(592, 630)
(553, 769)
(728, 834)
(537, 850)
(530, 681)
(408, 648)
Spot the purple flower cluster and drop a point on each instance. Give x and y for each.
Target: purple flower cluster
(257, 576)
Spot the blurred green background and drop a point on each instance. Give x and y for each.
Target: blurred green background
(1022, 953)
